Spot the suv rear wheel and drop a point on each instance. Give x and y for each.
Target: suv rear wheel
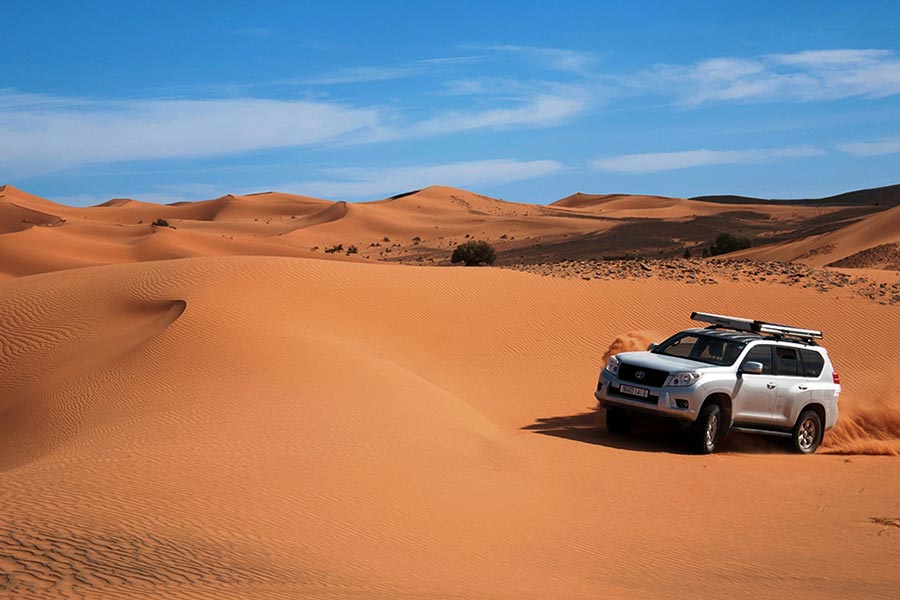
(807, 434)
(618, 420)
(705, 431)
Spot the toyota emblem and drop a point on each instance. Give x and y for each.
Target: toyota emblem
(639, 374)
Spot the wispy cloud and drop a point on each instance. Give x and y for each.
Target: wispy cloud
(652, 162)
(406, 70)
(365, 74)
(353, 183)
(802, 76)
(41, 134)
(252, 32)
(54, 133)
(540, 111)
(560, 59)
(872, 148)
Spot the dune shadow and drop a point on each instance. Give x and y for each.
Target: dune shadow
(646, 436)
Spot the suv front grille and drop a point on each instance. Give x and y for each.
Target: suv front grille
(642, 375)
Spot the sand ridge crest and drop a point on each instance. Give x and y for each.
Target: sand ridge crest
(424, 226)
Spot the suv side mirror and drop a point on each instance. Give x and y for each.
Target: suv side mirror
(752, 367)
(652, 346)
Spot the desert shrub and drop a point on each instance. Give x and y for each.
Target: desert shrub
(161, 223)
(687, 253)
(352, 250)
(474, 253)
(385, 239)
(417, 239)
(333, 249)
(728, 242)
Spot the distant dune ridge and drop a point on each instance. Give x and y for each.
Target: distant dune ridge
(423, 227)
(210, 410)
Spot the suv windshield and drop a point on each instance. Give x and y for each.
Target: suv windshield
(707, 349)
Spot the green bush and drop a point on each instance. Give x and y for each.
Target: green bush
(474, 253)
(352, 250)
(728, 242)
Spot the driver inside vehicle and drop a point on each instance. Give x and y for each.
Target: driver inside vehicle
(714, 350)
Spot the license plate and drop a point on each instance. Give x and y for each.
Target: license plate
(633, 391)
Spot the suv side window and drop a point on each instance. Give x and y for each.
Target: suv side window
(761, 354)
(812, 363)
(787, 361)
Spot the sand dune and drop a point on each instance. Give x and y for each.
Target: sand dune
(623, 206)
(424, 226)
(204, 408)
(274, 427)
(875, 230)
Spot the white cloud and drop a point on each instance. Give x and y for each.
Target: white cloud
(820, 58)
(802, 76)
(42, 133)
(540, 111)
(652, 162)
(371, 183)
(560, 59)
(873, 148)
(57, 133)
(365, 74)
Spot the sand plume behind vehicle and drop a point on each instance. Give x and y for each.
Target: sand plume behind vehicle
(868, 424)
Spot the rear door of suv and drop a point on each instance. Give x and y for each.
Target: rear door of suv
(793, 392)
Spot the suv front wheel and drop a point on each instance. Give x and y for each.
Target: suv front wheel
(704, 432)
(807, 434)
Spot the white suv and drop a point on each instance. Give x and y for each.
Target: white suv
(736, 374)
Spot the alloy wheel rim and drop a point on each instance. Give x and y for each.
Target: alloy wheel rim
(712, 426)
(807, 434)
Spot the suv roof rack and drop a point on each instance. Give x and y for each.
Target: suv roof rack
(740, 324)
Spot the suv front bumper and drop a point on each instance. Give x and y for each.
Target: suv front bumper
(661, 401)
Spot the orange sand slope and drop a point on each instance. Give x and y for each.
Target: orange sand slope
(424, 226)
(228, 427)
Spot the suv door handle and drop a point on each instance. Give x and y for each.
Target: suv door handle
(802, 387)
(771, 386)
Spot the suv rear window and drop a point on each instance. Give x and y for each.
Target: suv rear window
(787, 361)
(812, 363)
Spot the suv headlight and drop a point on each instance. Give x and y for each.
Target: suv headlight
(685, 379)
(612, 365)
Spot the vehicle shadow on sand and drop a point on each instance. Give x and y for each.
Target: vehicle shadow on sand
(646, 436)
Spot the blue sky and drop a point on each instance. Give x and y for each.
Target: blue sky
(527, 101)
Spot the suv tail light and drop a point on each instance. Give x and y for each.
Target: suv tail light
(836, 378)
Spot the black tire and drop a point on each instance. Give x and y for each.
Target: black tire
(618, 421)
(706, 430)
(807, 433)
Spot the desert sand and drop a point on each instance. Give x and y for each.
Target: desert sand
(187, 415)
